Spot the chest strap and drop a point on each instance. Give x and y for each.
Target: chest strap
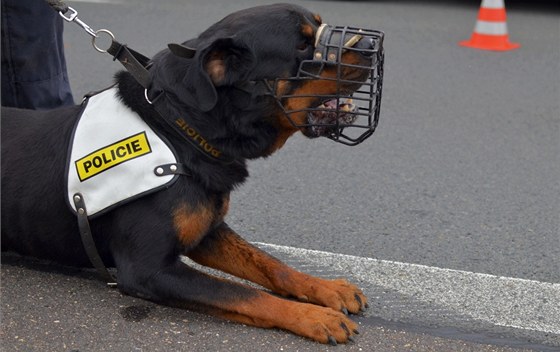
(85, 229)
(88, 242)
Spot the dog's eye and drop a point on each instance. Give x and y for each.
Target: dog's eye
(303, 46)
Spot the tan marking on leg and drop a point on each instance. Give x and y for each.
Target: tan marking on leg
(224, 210)
(192, 223)
(230, 253)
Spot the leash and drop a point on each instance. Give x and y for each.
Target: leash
(134, 62)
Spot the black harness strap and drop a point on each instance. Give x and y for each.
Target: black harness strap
(135, 63)
(89, 244)
(172, 169)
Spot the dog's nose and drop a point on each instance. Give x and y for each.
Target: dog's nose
(366, 46)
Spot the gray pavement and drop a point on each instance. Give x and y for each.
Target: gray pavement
(49, 311)
(462, 174)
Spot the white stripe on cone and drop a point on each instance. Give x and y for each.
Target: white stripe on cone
(491, 28)
(493, 4)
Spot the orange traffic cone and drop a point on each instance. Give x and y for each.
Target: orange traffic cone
(490, 31)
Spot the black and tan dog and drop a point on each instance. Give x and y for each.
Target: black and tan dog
(145, 238)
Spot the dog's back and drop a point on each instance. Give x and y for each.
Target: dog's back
(34, 150)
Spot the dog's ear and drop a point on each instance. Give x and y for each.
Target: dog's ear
(227, 61)
(220, 63)
(182, 50)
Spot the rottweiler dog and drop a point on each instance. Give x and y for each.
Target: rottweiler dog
(145, 238)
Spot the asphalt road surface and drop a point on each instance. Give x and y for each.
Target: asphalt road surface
(448, 217)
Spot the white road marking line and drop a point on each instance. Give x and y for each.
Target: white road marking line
(501, 301)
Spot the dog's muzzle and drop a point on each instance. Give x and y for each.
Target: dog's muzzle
(349, 113)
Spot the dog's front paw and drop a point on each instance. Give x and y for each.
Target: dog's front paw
(322, 324)
(339, 295)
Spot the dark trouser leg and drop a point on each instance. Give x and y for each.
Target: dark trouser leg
(33, 65)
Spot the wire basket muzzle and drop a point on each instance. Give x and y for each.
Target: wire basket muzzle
(342, 90)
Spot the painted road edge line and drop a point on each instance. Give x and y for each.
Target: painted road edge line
(502, 301)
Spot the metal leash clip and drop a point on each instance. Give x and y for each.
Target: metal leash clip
(73, 17)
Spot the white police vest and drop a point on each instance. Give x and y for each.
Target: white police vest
(113, 156)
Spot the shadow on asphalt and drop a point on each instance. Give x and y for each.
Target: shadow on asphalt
(14, 259)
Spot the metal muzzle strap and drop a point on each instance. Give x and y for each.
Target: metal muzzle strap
(323, 37)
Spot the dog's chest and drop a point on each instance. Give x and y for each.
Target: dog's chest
(114, 155)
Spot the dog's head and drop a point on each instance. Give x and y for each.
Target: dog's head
(305, 75)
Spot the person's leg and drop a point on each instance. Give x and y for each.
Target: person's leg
(34, 72)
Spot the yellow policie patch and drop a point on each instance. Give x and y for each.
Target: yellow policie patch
(112, 155)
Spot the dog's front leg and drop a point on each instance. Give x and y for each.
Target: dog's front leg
(177, 284)
(223, 249)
